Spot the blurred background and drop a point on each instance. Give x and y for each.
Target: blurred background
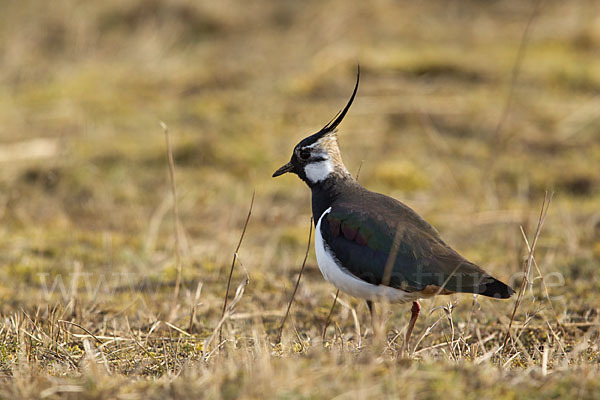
(83, 173)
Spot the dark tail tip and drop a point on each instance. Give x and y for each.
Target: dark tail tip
(498, 290)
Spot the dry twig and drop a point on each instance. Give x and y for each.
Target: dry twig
(194, 307)
(235, 257)
(529, 263)
(176, 222)
(328, 320)
(297, 281)
(516, 69)
(228, 311)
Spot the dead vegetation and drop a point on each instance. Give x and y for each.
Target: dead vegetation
(105, 296)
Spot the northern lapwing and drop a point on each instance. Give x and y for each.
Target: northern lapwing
(372, 246)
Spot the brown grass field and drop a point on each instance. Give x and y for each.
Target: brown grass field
(450, 118)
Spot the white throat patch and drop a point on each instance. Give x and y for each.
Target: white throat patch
(318, 171)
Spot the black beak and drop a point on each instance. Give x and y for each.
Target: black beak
(285, 169)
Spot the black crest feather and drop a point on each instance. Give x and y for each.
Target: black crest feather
(331, 125)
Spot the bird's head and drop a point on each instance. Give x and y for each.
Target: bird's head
(318, 157)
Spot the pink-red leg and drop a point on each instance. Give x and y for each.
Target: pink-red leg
(416, 308)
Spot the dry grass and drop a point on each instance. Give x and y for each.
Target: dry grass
(87, 271)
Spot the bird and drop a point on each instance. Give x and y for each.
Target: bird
(372, 246)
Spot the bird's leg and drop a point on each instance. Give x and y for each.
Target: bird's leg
(416, 308)
(371, 308)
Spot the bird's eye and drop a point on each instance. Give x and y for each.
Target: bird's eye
(304, 154)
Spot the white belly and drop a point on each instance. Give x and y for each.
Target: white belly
(334, 273)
